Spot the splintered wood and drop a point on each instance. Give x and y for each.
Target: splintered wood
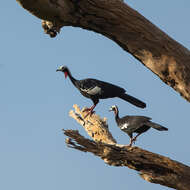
(96, 127)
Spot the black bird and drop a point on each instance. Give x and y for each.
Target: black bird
(135, 124)
(96, 89)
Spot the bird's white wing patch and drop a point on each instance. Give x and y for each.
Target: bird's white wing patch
(92, 91)
(125, 126)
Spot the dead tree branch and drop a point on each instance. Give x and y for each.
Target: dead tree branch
(151, 167)
(116, 20)
(96, 127)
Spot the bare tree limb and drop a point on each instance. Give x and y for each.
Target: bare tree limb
(152, 47)
(116, 20)
(151, 167)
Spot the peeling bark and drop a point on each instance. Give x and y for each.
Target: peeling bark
(116, 20)
(152, 167)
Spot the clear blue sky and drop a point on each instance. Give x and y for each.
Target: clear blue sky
(35, 101)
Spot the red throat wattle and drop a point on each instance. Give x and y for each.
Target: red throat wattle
(66, 74)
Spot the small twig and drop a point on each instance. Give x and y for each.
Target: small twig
(50, 28)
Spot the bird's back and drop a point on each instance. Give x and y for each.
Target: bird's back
(130, 124)
(101, 89)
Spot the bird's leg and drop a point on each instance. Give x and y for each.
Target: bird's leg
(90, 110)
(135, 138)
(131, 142)
(131, 139)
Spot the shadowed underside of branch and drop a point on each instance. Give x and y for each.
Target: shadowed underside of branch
(151, 167)
(130, 30)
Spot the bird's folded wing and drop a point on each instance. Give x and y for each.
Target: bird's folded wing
(135, 120)
(90, 87)
(92, 91)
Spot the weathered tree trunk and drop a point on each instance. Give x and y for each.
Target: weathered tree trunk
(135, 34)
(152, 167)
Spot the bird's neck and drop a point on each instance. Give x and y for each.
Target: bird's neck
(73, 80)
(117, 115)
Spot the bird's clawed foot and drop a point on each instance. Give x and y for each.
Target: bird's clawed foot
(132, 141)
(90, 112)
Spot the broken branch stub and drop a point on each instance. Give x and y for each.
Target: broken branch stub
(96, 127)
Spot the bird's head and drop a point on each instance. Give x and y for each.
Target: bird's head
(63, 69)
(114, 108)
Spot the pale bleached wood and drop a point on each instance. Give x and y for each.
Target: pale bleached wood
(95, 127)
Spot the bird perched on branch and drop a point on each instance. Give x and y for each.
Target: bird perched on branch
(96, 89)
(135, 124)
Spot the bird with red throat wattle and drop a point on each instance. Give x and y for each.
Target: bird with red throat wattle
(95, 89)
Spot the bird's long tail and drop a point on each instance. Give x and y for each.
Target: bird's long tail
(132, 100)
(157, 126)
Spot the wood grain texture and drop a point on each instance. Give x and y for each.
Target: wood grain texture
(116, 20)
(152, 167)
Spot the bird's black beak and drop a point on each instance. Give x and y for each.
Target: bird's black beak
(58, 70)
